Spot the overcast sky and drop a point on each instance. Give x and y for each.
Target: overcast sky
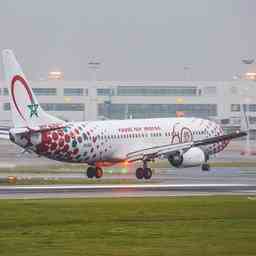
(133, 39)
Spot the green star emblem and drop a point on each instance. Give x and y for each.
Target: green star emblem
(33, 109)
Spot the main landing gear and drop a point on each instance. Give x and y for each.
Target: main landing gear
(96, 172)
(144, 172)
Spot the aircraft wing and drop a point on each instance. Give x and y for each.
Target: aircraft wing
(155, 152)
(216, 139)
(163, 150)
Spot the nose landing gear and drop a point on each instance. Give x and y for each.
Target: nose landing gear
(206, 167)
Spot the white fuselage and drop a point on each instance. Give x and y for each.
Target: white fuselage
(111, 141)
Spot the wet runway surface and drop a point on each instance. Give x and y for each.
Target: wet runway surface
(178, 182)
(192, 175)
(135, 190)
(165, 182)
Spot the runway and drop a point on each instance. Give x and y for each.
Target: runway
(165, 181)
(192, 175)
(134, 190)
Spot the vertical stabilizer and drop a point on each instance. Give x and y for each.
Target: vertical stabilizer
(26, 111)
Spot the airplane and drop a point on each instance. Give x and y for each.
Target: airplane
(184, 141)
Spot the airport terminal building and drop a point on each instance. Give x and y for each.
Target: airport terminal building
(99, 100)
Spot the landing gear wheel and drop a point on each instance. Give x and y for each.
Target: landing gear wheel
(91, 172)
(139, 173)
(147, 173)
(98, 173)
(205, 167)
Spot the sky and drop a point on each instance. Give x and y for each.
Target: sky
(133, 40)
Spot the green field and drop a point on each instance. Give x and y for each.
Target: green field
(139, 226)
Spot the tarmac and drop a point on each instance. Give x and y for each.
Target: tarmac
(165, 182)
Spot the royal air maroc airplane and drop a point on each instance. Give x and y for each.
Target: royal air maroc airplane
(185, 142)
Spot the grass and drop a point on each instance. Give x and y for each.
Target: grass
(128, 226)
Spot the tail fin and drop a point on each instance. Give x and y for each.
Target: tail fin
(26, 111)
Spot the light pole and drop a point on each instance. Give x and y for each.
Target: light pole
(187, 73)
(94, 66)
(245, 109)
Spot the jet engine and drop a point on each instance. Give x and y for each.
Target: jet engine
(193, 157)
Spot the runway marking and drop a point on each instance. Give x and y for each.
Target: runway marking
(142, 186)
(129, 190)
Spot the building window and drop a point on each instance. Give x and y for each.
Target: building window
(63, 106)
(45, 91)
(235, 107)
(225, 121)
(38, 91)
(156, 91)
(55, 106)
(252, 107)
(73, 92)
(235, 120)
(252, 119)
(7, 106)
(6, 92)
(122, 111)
(113, 111)
(104, 92)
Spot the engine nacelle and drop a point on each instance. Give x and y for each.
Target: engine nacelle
(193, 157)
